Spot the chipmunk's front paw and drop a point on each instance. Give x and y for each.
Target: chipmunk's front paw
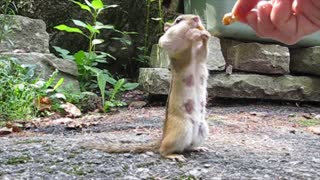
(194, 34)
(205, 35)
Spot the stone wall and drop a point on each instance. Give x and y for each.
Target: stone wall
(248, 70)
(29, 44)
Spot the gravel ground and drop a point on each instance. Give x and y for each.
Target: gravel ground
(246, 142)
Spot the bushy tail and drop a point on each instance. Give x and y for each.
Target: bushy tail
(123, 147)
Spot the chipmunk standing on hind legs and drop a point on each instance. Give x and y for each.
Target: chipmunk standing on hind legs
(185, 127)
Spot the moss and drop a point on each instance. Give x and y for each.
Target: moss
(30, 141)
(77, 170)
(18, 160)
(71, 155)
(50, 171)
(148, 164)
(186, 178)
(308, 122)
(125, 168)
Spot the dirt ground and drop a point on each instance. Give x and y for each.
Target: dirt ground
(247, 141)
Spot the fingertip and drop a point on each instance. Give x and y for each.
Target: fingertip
(252, 19)
(242, 8)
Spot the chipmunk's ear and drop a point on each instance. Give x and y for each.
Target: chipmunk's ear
(167, 26)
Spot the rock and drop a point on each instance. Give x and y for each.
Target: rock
(90, 102)
(259, 58)
(216, 61)
(296, 88)
(155, 80)
(195, 172)
(305, 61)
(317, 117)
(29, 35)
(130, 178)
(46, 65)
(159, 58)
(227, 45)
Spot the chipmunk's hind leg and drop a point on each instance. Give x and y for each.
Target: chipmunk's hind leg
(175, 142)
(169, 150)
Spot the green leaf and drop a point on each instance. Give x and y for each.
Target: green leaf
(116, 88)
(79, 23)
(110, 56)
(59, 83)
(63, 53)
(102, 81)
(88, 3)
(111, 80)
(130, 86)
(102, 26)
(97, 4)
(51, 79)
(157, 19)
(92, 29)
(93, 69)
(97, 41)
(63, 27)
(107, 105)
(80, 57)
(82, 6)
(112, 6)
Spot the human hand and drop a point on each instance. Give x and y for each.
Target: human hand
(287, 21)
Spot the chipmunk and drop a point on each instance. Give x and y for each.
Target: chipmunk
(185, 127)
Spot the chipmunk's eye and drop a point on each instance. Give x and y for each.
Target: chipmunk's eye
(178, 20)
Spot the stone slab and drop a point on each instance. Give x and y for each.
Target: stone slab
(254, 86)
(28, 35)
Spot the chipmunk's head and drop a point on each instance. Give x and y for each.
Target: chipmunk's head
(187, 21)
(175, 40)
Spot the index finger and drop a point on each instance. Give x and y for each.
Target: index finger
(242, 8)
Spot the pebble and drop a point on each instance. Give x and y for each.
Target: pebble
(317, 117)
(195, 172)
(130, 178)
(127, 155)
(150, 153)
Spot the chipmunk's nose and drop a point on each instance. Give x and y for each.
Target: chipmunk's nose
(196, 19)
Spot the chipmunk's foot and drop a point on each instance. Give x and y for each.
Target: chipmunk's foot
(176, 157)
(200, 149)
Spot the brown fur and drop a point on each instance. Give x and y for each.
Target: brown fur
(179, 41)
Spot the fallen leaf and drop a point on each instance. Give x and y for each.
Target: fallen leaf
(5, 131)
(63, 121)
(16, 127)
(315, 129)
(42, 103)
(307, 116)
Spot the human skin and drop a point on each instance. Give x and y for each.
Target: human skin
(287, 21)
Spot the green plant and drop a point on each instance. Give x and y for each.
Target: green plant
(19, 89)
(87, 61)
(91, 57)
(8, 7)
(118, 86)
(144, 57)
